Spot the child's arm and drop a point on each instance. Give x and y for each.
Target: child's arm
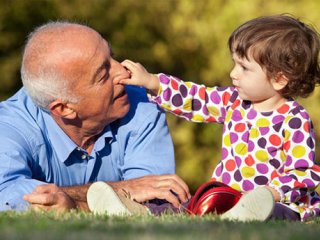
(139, 76)
(191, 101)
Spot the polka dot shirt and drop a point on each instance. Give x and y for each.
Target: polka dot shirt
(275, 148)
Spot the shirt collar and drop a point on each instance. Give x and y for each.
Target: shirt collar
(58, 139)
(63, 144)
(105, 138)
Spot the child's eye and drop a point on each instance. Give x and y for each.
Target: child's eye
(244, 68)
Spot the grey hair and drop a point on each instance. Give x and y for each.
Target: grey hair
(48, 83)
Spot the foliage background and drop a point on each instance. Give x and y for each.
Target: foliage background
(185, 38)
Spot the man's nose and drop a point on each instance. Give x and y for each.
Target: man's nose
(119, 72)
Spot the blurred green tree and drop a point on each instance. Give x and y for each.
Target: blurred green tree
(17, 19)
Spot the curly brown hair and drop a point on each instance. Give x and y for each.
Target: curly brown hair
(281, 44)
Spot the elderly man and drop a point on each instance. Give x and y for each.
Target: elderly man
(73, 123)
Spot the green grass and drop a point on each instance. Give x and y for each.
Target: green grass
(77, 225)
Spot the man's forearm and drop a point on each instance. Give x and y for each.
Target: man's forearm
(78, 194)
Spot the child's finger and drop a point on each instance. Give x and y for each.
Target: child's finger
(128, 64)
(125, 81)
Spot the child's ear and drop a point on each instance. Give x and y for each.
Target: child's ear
(279, 81)
(61, 109)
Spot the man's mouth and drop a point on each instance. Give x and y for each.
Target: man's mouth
(120, 95)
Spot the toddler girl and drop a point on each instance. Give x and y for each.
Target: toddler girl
(268, 138)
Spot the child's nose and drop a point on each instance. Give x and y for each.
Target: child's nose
(233, 74)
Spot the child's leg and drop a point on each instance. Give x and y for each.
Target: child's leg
(282, 212)
(158, 207)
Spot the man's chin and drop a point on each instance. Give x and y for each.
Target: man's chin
(121, 110)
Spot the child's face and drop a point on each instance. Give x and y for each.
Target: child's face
(251, 80)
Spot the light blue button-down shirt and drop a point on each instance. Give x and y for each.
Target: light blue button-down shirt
(34, 150)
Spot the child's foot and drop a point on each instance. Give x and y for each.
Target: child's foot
(102, 199)
(256, 205)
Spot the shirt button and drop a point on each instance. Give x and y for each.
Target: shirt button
(83, 157)
(78, 148)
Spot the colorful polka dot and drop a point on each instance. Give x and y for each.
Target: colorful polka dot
(298, 137)
(240, 127)
(249, 160)
(298, 151)
(241, 149)
(283, 109)
(187, 105)
(254, 133)
(197, 118)
(202, 93)
(263, 122)
(196, 105)
(262, 168)
(233, 137)
(183, 90)
(236, 186)
(294, 123)
(261, 180)
(174, 85)
(247, 185)
(248, 172)
(262, 156)
(213, 111)
(177, 100)
(226, 178)
(226, 141)
(167, 94)
(275, 140)
(230, 165)
(300, 173)
(225, 98)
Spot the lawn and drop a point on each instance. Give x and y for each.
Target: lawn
(78, 226)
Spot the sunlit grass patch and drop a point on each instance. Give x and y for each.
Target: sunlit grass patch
(80, 225)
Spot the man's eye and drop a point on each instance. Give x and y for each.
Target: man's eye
(107, 66)
(104, 77)
(106, 71)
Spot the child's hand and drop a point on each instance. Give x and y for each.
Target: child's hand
(139, 76)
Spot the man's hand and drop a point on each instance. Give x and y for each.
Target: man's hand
(169, 187)
(49, 197)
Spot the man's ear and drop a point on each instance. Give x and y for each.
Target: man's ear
(279, 81)
(61, 109)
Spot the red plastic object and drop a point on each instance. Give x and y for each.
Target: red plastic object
(213, 197)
